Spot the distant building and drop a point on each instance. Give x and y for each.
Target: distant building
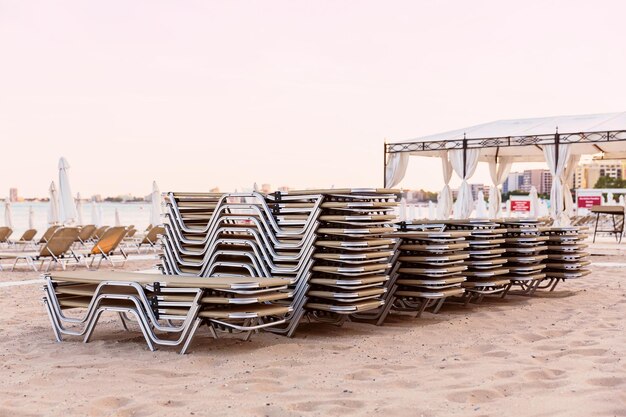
(587, 175)
(97, 198)
(541, 179)
(13, 197)
(514, 182)
(479, 187)
(266, 188)
(215, 190)
(284, 189)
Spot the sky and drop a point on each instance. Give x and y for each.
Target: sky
(198, 94)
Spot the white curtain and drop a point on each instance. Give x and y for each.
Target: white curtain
(464, 202)
(557, 169)
(534, 203)
(499, 171)
(444, 199)
(396, 168)
(568, 174)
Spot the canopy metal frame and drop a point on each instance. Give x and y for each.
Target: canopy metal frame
(596, 138)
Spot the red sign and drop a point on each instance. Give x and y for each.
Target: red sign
(520, 205)
(588, 201)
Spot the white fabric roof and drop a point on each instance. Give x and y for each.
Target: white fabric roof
(536, 126)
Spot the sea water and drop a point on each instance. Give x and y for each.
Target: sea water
(137, 214)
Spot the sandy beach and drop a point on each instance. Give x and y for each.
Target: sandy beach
(557, 354)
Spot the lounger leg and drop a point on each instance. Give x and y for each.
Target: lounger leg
(422, 308)
(57, 333)
(92, 326)
(192, 333)
(506, 290)
(123, 320)
(556, 281)
(438, 306)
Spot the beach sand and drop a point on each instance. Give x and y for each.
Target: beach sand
(557, 354)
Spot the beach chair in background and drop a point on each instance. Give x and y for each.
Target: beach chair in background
(55, 251)
(27, 239)
(105, 248)
(48, 234)
(151, 239)
(86, 233)
(5, 233)
(98, 233)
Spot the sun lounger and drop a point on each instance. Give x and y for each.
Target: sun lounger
(27, 238)
(104, 248)
(5, 233)
(151, 238)
(87, 232)
(565, 256)
(168, 309)
(55, 251)
(48, 234)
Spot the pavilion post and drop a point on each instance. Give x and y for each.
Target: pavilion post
(557, 139)
(464, 155)
(385, 164)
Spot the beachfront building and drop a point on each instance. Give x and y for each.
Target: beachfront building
(514, 182)
(587, 174)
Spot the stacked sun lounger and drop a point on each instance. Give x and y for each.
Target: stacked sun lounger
(167, 309)
(525, 252)
(431, 269)
(244, 234)
(486, 266)
(566, 256)
(354, 250)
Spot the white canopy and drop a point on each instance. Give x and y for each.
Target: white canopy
(559, 141)
(515, 137)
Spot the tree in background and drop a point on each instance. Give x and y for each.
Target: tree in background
(610, 182)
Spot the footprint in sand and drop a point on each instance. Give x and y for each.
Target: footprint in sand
(329, 406)
(607, 382)
(475, 396)
(254, 385)
(545, 375)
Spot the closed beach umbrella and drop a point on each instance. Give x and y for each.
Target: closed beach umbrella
(534, 203)
(31, 218)
(117, 218)
(155, 206)
(481, 206)
(8, 214)
(420, 215)
(79, 209)
(53, 210)
(95, 213)
(403, 209)
(67, 206)
(622, 202)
